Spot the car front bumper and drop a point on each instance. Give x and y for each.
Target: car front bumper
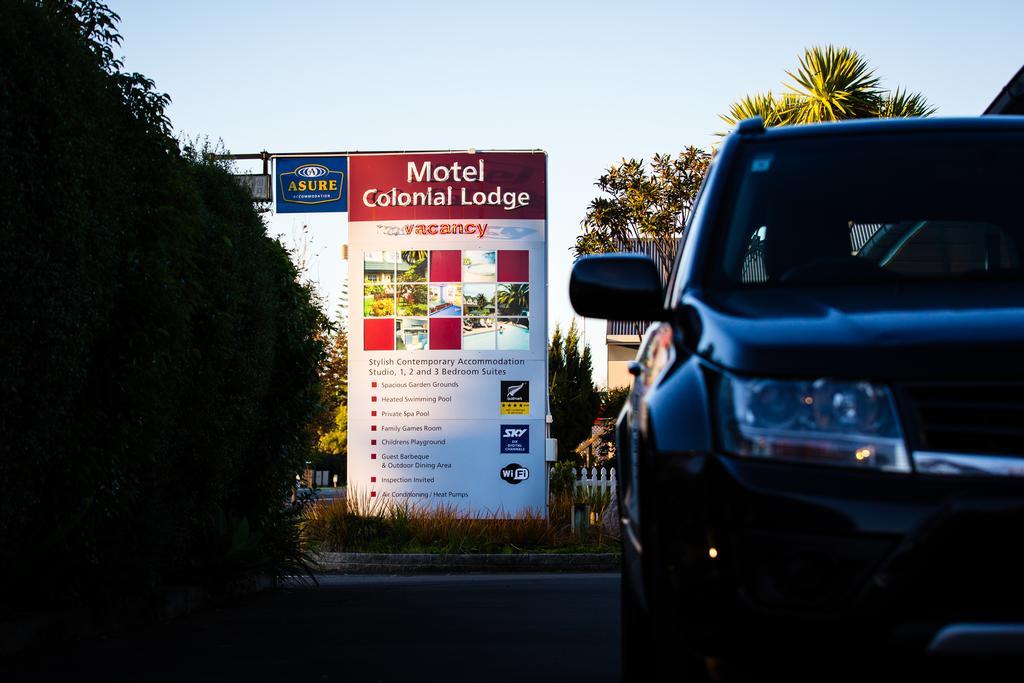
(757, 553)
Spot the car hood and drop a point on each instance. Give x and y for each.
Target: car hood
(938, 331)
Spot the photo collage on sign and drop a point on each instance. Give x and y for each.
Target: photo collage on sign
(446, 300)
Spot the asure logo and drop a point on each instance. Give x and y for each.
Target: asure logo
(514, 473)
(311, 184)
(515, 438)
(311, 171)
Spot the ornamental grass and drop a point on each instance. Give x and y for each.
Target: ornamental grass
(359, 523)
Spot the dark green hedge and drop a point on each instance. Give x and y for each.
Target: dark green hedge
(157, 356)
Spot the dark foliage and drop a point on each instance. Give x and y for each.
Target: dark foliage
(573, 398)
(612, 402)
(158, 359)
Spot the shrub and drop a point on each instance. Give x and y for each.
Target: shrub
(563, 479)
(361, 524)
(158, 355)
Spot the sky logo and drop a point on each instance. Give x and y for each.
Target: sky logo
(515, 438)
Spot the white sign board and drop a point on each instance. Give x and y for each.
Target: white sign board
(448, 333)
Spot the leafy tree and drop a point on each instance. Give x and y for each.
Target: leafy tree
(644, 203)
(335, 441)
(574, 399)
(830, 84)
(329, 428)
(334, 371)
(613, 400)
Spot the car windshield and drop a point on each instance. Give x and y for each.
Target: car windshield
(875, 208)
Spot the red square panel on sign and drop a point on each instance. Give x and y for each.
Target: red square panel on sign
(379, 334)
(445, 333)
(513, 265)
(445, 266)
(373, 456)
(373, 442)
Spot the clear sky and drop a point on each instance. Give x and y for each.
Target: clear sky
(589, 82)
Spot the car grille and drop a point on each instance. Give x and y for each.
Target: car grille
(979, 419)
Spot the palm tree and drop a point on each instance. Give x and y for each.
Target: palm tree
(833, 84)
(902, 104)
(830, 84)
(766, 105)
(513, 299)
(417, 272)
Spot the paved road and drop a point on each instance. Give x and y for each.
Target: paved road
(525, 627)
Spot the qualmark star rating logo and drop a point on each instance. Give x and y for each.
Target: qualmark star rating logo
(515, 397)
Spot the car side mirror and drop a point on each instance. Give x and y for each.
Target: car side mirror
(617, 287)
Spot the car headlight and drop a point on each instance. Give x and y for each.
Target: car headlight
(824, 422)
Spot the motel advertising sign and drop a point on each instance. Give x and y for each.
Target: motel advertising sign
(448, 339)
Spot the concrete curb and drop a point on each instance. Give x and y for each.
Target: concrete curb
(429, 563)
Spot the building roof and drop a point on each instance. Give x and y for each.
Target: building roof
(1010, 99)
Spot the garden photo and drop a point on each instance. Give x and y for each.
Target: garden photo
(412, 299)
(479, 299)
(412, 266)
(378, 301)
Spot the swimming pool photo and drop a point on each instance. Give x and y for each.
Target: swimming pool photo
(445, 300)
(513, 334)
(478, 334)
(479, 266)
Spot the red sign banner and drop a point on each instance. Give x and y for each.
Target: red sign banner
(461, 186)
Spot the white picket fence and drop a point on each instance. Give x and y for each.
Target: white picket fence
(601, 480)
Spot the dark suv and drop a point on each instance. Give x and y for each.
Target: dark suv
(824, 447)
